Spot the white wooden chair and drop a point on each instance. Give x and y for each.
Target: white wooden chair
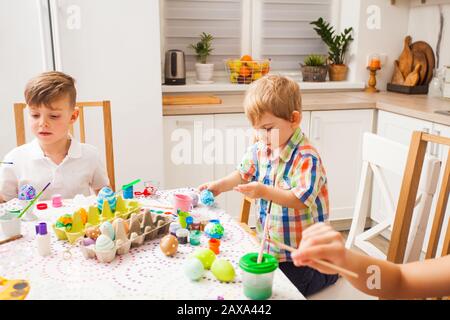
(382, 154)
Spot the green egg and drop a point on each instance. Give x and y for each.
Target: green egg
(206, 256)
(223, 270)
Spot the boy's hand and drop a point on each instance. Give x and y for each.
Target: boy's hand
(253, 190)
(320, 242)
(213, 186)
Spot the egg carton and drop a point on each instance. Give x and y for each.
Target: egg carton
(142, 227)
(124, 209)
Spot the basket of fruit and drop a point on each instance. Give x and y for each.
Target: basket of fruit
(246, 70)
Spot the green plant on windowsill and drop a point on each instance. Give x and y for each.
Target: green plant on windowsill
(314, 68)
(203, 48)
(315, 60)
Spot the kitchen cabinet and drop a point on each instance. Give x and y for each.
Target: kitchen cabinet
(338, 135)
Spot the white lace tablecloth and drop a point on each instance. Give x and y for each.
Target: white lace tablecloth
(144, 273)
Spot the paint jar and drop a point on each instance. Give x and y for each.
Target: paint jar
(173, 227)
(128, 192)
(57, 201)
(257, 278)
(182, 202)
(214, 245)
(182, 235)
(10, 225)
(194, 237)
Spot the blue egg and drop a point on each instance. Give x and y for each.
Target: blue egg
(106, 194)
(207, 197)
(193, 269)
(27, 192)
(107, 229)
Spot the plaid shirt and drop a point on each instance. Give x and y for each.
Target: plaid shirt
(299, 169)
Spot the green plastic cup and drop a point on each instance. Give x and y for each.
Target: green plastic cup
(257, 278)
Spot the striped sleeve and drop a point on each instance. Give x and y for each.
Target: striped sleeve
(247, 168)
(307, 180)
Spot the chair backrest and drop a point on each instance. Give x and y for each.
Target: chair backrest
(107, 127)
(379, 156)
(407, 199)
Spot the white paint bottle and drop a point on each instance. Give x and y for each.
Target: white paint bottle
(43, 239)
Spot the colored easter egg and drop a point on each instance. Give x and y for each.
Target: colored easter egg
(93, 232)
(107, 229)
(193, 269)
(206, 256)
(214, 229)
(223, 270)
(27, 192)
(207, 197)
(104, 243)
(169, 245)
(88, 241)
(106, 194)
(194, 197)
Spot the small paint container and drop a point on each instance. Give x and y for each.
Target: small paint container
(194, 237)
(257, 278)
(128, 193)
(57, 201)
(173, 227)
(195, 226)
(214, 245)
(182, 235)
(10, 225)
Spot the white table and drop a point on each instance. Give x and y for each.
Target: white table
(144, 273)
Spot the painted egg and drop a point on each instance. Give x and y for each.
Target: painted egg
(194, 197)
(106, 194)
(207, 197)
(104, 243)
(27, 192)
(214, 229)
(93, 232)
(88, 241)
(169, 245)
(107, 229)
(206, 257)
(65, 221)
(223, 270)
(193, 269)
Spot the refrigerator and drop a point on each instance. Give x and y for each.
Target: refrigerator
(112, 49)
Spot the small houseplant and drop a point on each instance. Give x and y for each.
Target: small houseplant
(314, 68)
(337, 47)
(203, 49)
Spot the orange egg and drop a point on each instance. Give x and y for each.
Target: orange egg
(169, 245)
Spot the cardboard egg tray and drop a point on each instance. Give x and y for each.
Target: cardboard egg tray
(142, 226)
(124, 208)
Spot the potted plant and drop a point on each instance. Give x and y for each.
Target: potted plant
(204, 71)
(314, 68)
(337, 47)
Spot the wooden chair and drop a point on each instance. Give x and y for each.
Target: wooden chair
(107, 127)
(244, 215)
(382, 154)
(410, 183)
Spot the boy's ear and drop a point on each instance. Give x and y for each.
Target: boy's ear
(75, 114)
(296, 118)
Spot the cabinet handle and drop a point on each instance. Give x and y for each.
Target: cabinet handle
(316, 127)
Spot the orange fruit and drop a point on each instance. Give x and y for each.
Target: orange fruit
(244, 71)
(246, 58)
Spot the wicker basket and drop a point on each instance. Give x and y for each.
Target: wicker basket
(245, 72)
(314, 73)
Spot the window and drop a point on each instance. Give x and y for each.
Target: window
(275, 29)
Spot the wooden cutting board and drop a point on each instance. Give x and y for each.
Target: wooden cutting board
(190, 99)
(429, 54)
(413, 78)
(397, 77)
(420, 58)
(405, 61)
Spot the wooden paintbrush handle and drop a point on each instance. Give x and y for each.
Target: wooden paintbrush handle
(11, 239)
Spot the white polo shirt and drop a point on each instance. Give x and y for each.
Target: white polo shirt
(81, 171)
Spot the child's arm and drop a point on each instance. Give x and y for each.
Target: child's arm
(429, 278)
(223, 185)
(285, 198)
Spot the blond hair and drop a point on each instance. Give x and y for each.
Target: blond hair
(277, 95)
(47, 87)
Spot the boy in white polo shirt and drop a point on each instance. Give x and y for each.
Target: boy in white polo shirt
(54, 156)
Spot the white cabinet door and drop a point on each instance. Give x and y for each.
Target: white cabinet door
(185, 151)
(233, 128)
(337, 135)
(396, 128)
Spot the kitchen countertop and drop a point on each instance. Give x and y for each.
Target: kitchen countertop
(417, 106)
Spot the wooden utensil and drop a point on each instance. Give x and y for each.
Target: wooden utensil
(405, 60)
(321, 262)
(420, 58)
(429, 54)
(413, 78)
(190, 99)
(11, 239)
(397, 77)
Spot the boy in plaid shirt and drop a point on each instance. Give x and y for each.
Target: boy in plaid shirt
(284, 172)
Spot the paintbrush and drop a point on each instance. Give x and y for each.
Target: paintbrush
(33, 201)
(3, 162)
(321, 262)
